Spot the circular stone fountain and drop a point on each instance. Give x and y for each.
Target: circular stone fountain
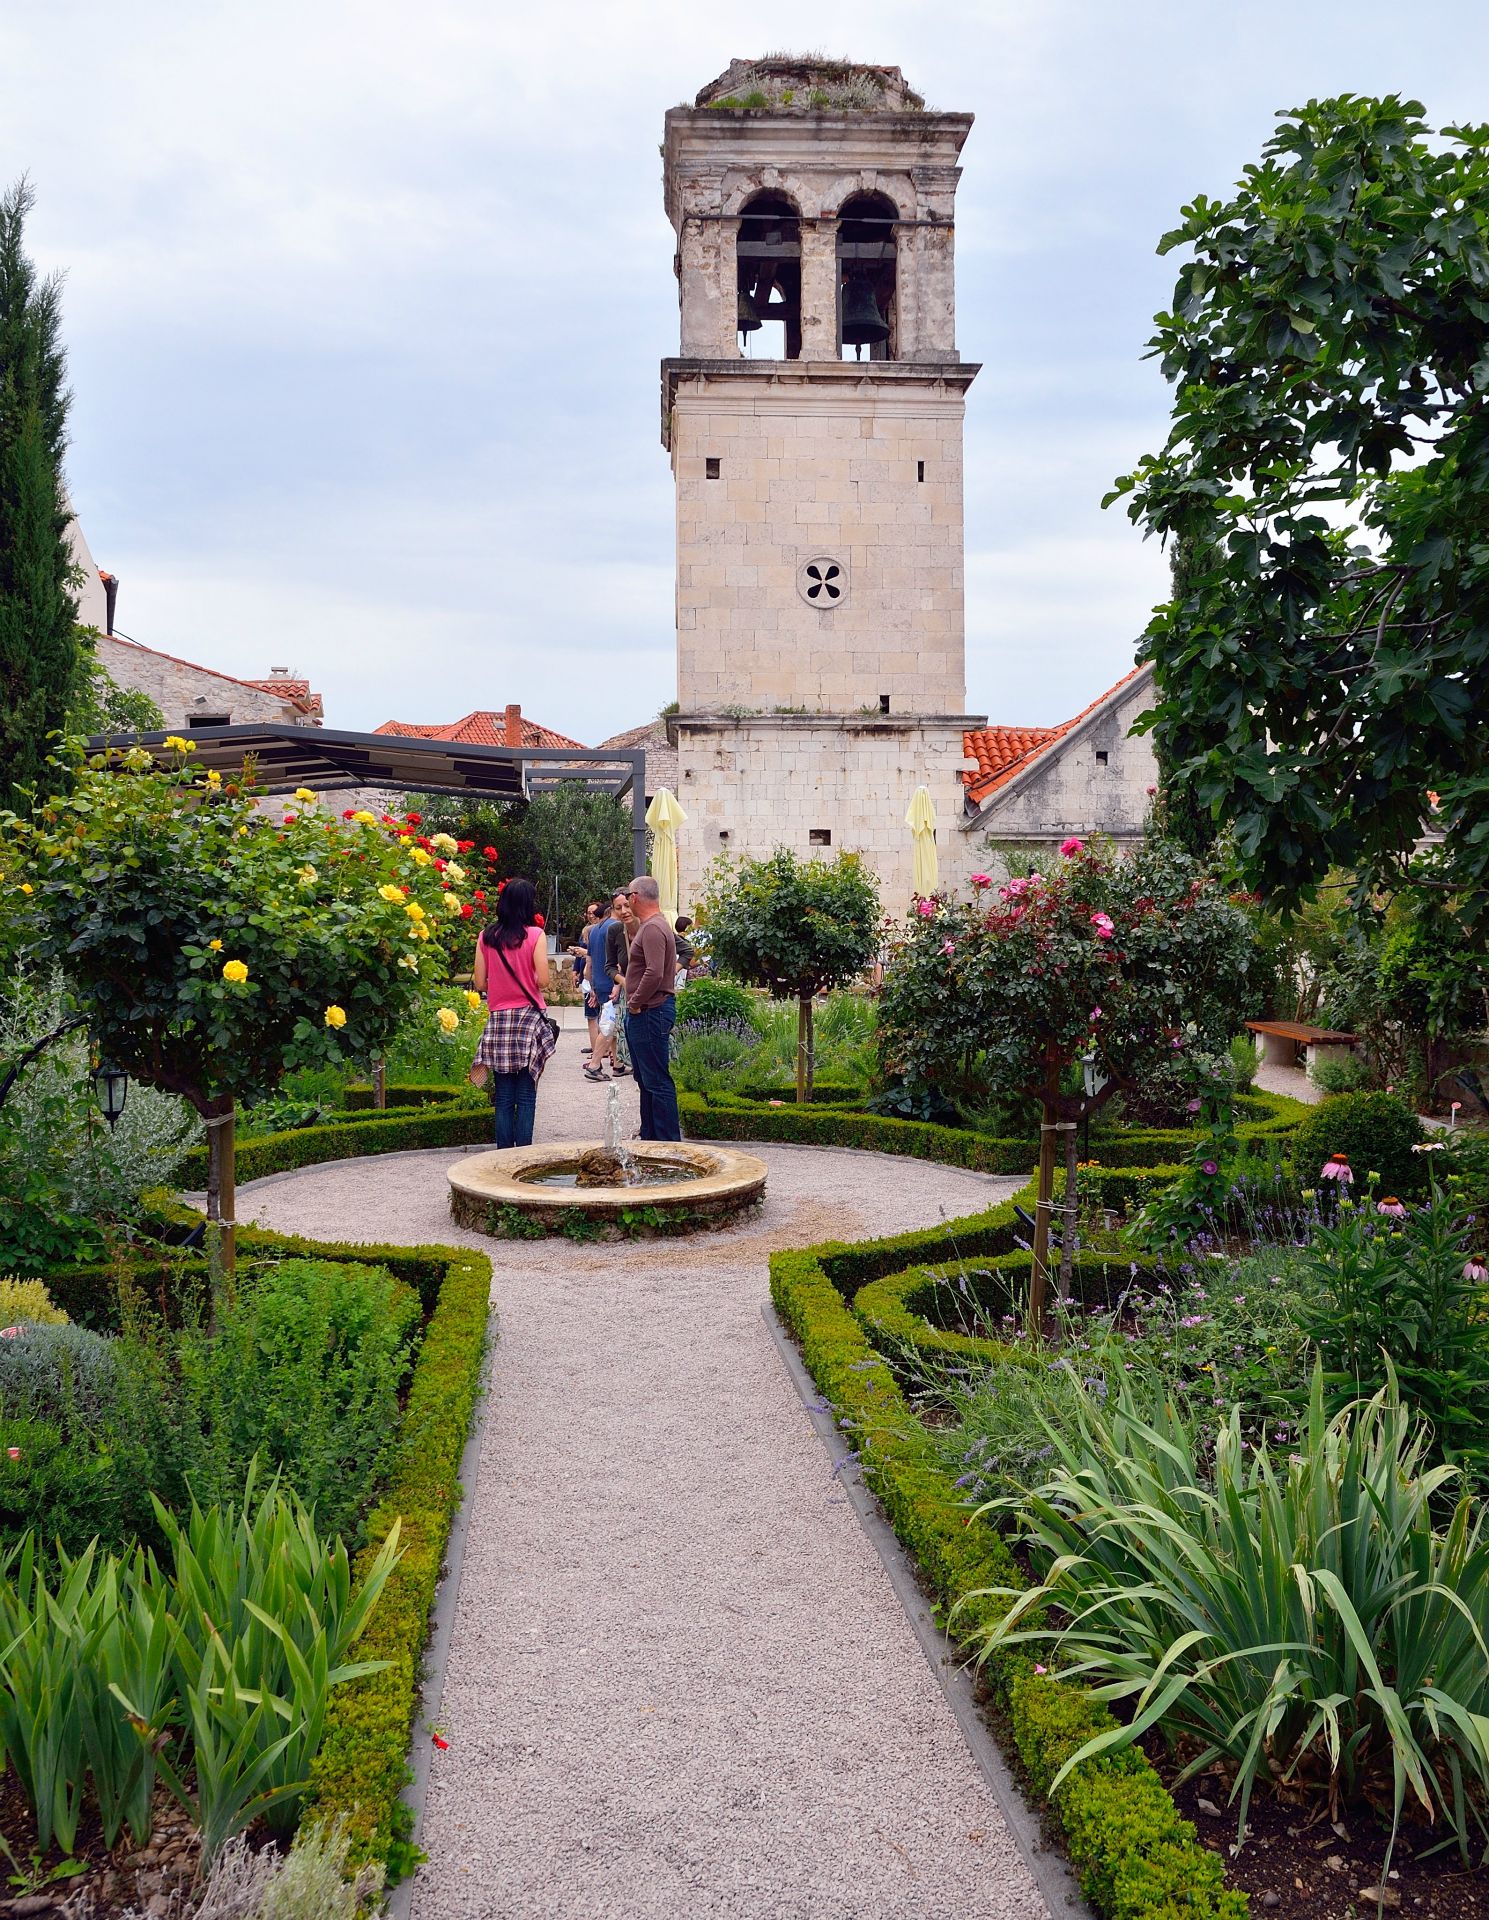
(670, 1186)
(675, 1185)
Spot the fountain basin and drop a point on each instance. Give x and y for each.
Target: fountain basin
(514, 1191)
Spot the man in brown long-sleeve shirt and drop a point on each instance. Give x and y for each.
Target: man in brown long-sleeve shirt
(651, 973)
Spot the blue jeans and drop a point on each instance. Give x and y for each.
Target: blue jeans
(516, 1104)
(649, 1037)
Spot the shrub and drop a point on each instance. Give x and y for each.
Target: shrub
(1340, 1073)
(49, 1371)
(704, 1060)
(1392, 1300)
(1245, 1059)
(29, 1302)
(715, 1003)
(68, 1486)
(302, 1371)
(1308, 1623)
(1376, 1130)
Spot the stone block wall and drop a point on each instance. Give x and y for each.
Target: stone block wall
(184, 692)
(749, 786)
(860, 469)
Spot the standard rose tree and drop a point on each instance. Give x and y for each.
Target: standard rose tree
(1126, 960)
(212, 943)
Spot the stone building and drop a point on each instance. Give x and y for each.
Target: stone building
(1033, 786)
(814, 421)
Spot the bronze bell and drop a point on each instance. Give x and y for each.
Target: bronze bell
(863, 324)
(746, 317)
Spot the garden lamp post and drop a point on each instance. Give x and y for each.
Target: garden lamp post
(112, 1087)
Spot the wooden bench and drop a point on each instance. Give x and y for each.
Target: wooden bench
(1283, 1040)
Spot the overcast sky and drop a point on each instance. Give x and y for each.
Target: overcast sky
(365, 304)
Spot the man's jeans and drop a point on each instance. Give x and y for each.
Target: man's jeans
(649, 1037)
(516, 1108)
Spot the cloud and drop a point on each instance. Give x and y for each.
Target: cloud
(365, 303)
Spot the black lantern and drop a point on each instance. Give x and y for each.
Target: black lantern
(112, 1087)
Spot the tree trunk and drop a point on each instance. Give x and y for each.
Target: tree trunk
(222, 1181)
(380, 1083)
(803, 1049)
(1067, 1238)
(1039, 1275)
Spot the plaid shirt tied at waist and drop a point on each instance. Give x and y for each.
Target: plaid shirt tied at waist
(516, 1040)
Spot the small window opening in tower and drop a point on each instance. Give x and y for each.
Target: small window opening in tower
(710, 466)
(819, 836)
(884, 703)
(1101, 757)
(768, 249)
(920, 469)
(866, 277)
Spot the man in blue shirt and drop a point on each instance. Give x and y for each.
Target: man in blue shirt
(600, 986)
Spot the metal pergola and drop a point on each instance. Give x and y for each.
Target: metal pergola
(329, 760)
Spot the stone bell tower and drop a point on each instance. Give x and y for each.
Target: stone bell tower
(814, 420)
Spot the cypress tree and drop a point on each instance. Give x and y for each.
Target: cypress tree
(40, 661)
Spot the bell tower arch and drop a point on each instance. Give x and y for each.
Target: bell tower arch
(814, 417)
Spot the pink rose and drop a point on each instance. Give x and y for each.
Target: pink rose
(982, 879)
(1072, 846)
(1095, 1015)
(1150, 791)
(14, 1452)
(1103, 926)
(925, 908)
(948, 946)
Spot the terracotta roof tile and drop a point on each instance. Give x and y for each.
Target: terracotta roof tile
(483, 728)
(1002, 752)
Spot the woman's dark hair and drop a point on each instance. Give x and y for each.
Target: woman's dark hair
(682, 924)
(516, 910)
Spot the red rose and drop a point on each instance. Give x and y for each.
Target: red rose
(348, 813)
(439, 865)
(489, 852)
(537, 920)
(466, 911)
(479, 895)
(289, 819)
(413, 818)
(465, 845)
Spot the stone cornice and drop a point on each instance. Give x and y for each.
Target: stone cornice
(823, 386)
(871, 723)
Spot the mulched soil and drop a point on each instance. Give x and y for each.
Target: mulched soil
(1298, 1866)
(114, 1882)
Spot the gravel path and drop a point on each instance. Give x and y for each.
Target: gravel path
(679, 1681)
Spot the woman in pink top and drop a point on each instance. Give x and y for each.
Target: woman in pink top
(512, 970)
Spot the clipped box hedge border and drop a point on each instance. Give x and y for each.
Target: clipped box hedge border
(1135, 1856)
(1265, 1117)
(454, 1122)
(362, 1765)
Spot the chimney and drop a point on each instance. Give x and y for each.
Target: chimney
(514, 726)
(110, 595)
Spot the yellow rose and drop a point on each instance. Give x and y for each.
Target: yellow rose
(242, 833)
(25, 886)
(235, 971)
(410, 961)
(453, 873)
(305, 796)
(414, 910)
(472, 1000)
(335, 1016)
(443, 843)
(178, 745)
(448, 1018)
(452, 903)
(390, 893)
(364, 818)
(214, 778)
(214, 946)
(307, 875)
(419, 930)
(419, 857)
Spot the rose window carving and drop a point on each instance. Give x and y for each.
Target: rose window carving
(822, 581)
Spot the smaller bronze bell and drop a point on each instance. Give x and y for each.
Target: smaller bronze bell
(863, 324)
(746, 318)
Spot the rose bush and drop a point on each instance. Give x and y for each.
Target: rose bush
(1131, 961)
(214, 942)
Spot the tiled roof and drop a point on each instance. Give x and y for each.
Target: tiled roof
(1002, 752)
(483, 728)
(295, 693)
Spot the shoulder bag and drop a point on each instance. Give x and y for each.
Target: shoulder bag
(548, 1021)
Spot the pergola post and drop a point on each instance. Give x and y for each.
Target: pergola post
(638, 812)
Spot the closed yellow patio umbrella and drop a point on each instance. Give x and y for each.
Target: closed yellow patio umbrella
(664, 816)
(921, 820)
